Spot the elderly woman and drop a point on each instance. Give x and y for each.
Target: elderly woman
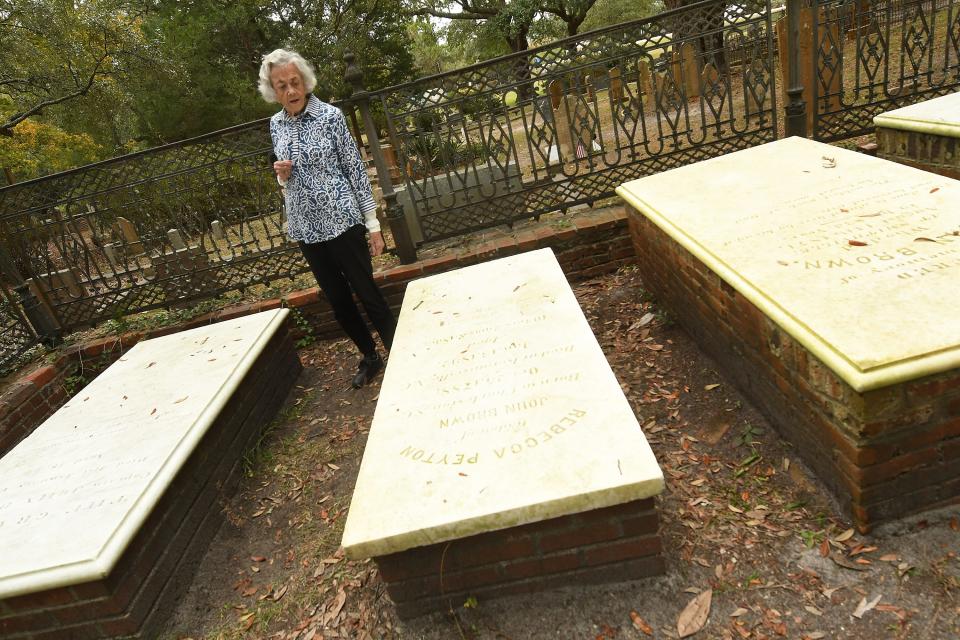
(329, 202)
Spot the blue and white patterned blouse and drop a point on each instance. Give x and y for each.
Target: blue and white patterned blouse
(328, 190)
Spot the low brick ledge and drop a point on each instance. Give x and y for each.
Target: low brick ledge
(591, 244)
(612, 544)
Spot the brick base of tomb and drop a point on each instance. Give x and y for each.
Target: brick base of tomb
(884, 453)
(612, 544)
(158, 565)
(930, 152)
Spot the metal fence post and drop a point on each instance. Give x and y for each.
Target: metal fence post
(43, 324)
(796, 107)
(395, 215)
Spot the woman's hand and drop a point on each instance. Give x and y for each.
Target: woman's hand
(376, 243)
(283, 168)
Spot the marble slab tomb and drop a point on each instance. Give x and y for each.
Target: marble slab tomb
(825, 282)
(503, 456)
(107, 506)
(925, 135)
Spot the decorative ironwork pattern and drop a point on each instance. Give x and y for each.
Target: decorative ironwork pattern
(16, 336)
(871, 56)
(565, 124)
(164, 227)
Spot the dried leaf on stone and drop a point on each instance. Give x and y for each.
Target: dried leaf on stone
(856, 243)
(846, 535)
(841, 561)
(865, 606)
(695, 614)
(711, 387)
(640, 624)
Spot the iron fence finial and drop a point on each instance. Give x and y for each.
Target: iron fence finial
(353, 74)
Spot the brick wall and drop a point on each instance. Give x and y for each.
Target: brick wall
(884, 453)
(938, 154)
(586, 247)
(604, 545)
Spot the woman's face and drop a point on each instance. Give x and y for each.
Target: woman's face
(288, 85)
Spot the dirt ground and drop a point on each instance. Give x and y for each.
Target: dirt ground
(742, 518)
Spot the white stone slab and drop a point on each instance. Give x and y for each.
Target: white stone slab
(853, 256)
(939, 116)
(497, 409)
(75, 492)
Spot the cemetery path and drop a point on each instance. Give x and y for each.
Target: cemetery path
(742, 518)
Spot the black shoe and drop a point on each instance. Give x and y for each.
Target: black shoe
(367, 370)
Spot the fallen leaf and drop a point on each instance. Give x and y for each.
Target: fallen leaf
(829, 592)
(257, 558)
(846, 535)
(816, 635)
(333, 466)
(180, 400)
(640, 624)
(154, 411)
(865, 606)
(856, 243)
(646, 319)
(890, 557)
(935, 189)
(735, 509)
(711, 387)
(739, 611)
(922, 239)
(279, 594)
(695, 614)
(841, 561)
(246, 593)
(813, 610)
(824, 549)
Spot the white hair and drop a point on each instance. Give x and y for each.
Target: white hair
(281, 58)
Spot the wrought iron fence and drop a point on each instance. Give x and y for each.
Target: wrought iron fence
(871, 56)
(565, 124)
(495, 143)
(159, 228)
(16, 334)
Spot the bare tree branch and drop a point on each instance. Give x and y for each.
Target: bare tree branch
(17, 118)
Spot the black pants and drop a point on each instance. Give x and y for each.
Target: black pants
(342, 267)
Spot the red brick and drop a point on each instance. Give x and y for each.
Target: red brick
(41, 376)
(302, 298)
(96, 347)
(526, 241)
(646, 524)
(934, 388)
(82, 632)
(575, 538)
(26, 622)
(507, 246)
(896, 466)
(41, 600)
(402, 273)
(624, 549)
(437, 265)
(18, 393)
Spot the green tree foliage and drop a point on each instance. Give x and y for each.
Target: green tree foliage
(610, 12)
(54, 53)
